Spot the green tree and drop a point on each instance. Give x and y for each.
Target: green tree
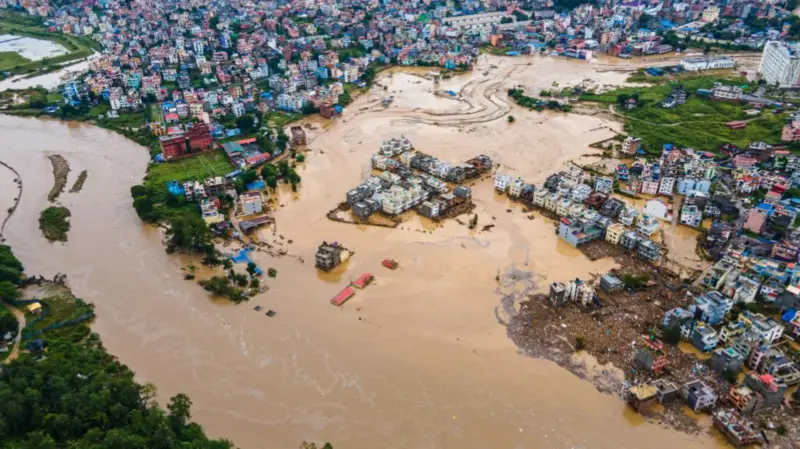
(8, 291)
(7, 324)
(246, 123)
(283, 168)
(179, 412)
(144, 208)
(188, 232)
(511, 119)
(251, 269)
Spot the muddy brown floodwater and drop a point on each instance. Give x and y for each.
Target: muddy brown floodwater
(418, 359)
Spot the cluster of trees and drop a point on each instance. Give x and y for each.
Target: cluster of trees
(234, 285)
(345, 99)
(10, 274)
(80, 396)
(188, 233)
(54, 223)
(272, 174)
(623, 98)
(8, 324)
(152, 201)
(534, 103)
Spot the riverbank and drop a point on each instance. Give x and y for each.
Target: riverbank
(302, 374)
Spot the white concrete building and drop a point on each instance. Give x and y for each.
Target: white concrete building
(539, 197)
(667, 186)
(562, 207)
(647, 226)
(691, 215)
(485, 20)
(780, 63)
(251, 203)
(515, 188)
(603, 184)
(580, 193)
(707, 63)
(501, 182)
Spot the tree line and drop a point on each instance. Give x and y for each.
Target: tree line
(80, 396)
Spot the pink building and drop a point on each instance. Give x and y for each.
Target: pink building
(791, 132)
(756, 218)
(650, 187)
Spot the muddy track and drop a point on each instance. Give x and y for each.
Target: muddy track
(60, 172)
(491, 107)
(16, 202)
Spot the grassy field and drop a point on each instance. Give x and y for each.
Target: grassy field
(130, 120)
(196, 167)
(78, 47)
(9, 60)
(281, 119)
(61, 306)
(698, 124)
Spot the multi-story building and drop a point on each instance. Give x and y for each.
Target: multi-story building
(691, 215)
(703, 337)
(195, 139)
(603, 184)
(251, 203)
(501, 182)
(614, 233)
(780, 64)
(649, 251)
(699, 396)
(726, 360)
(631, 145)
(647, 225)
(667, 186)
(577, 232)
(629, 240)
(711, 14)
(712, 307)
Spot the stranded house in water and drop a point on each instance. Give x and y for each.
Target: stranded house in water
(330, 255)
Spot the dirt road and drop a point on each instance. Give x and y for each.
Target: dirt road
(21, 322)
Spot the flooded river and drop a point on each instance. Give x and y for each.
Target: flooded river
(416, 360)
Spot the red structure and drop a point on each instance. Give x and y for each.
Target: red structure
(194, 140)
(656, 348)
(327, 110)
(736, 125)
(343, 296)
(364, 280)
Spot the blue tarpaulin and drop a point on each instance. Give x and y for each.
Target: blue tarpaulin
(175, 188)
(244, 257)
(451, 93)
(256, 185)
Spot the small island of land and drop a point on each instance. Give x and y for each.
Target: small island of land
(54, 223)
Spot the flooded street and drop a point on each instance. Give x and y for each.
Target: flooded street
(418, 359)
